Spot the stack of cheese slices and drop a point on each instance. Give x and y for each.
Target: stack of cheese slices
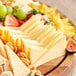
(43, 41)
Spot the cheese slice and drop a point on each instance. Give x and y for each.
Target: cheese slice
(44, 34)
(19, 69)
(6, 32)
(2, 50)
(49, 35)
(5, 62)
(36, 29)
(33, 26)
(21, 36)
(32, 42)
(39, 32)
(32, 20)
(35, 52)
(52, 36)
(56, 50)
(9, 28)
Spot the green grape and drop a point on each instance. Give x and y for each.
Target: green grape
(3, 10)
(0, 3)
(21, 14)
(9, 10)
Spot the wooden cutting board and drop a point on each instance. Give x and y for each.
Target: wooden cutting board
(63, 70)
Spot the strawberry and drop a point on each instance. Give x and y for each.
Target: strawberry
(20, 22)
(29, 16)
(11, 21)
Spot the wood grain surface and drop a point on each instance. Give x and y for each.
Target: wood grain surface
(65, 69)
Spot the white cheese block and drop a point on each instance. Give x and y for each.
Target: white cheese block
(35, 52)
(57, 50)
(18, 67)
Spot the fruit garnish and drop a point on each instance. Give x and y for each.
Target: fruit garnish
(71, 45)
(11, 21)
(3, 10)
(9, 10)
(21, 14)
(20, 21)
(29, 16)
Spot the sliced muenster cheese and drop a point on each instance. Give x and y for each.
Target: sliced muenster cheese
(21, 36)
(9, 28)
(56, 49)
(55, 40)
(39, 32)
(29, 29)
(48, 29)
(32, 42)
(15, 32)
(2, 50)
(6, 34)
(35, 32)
(36, 29)
(52, 37)
(49, 35)
(33, 26)
(35, 52)
(31, 21)
(4, 62)
(18, 67)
